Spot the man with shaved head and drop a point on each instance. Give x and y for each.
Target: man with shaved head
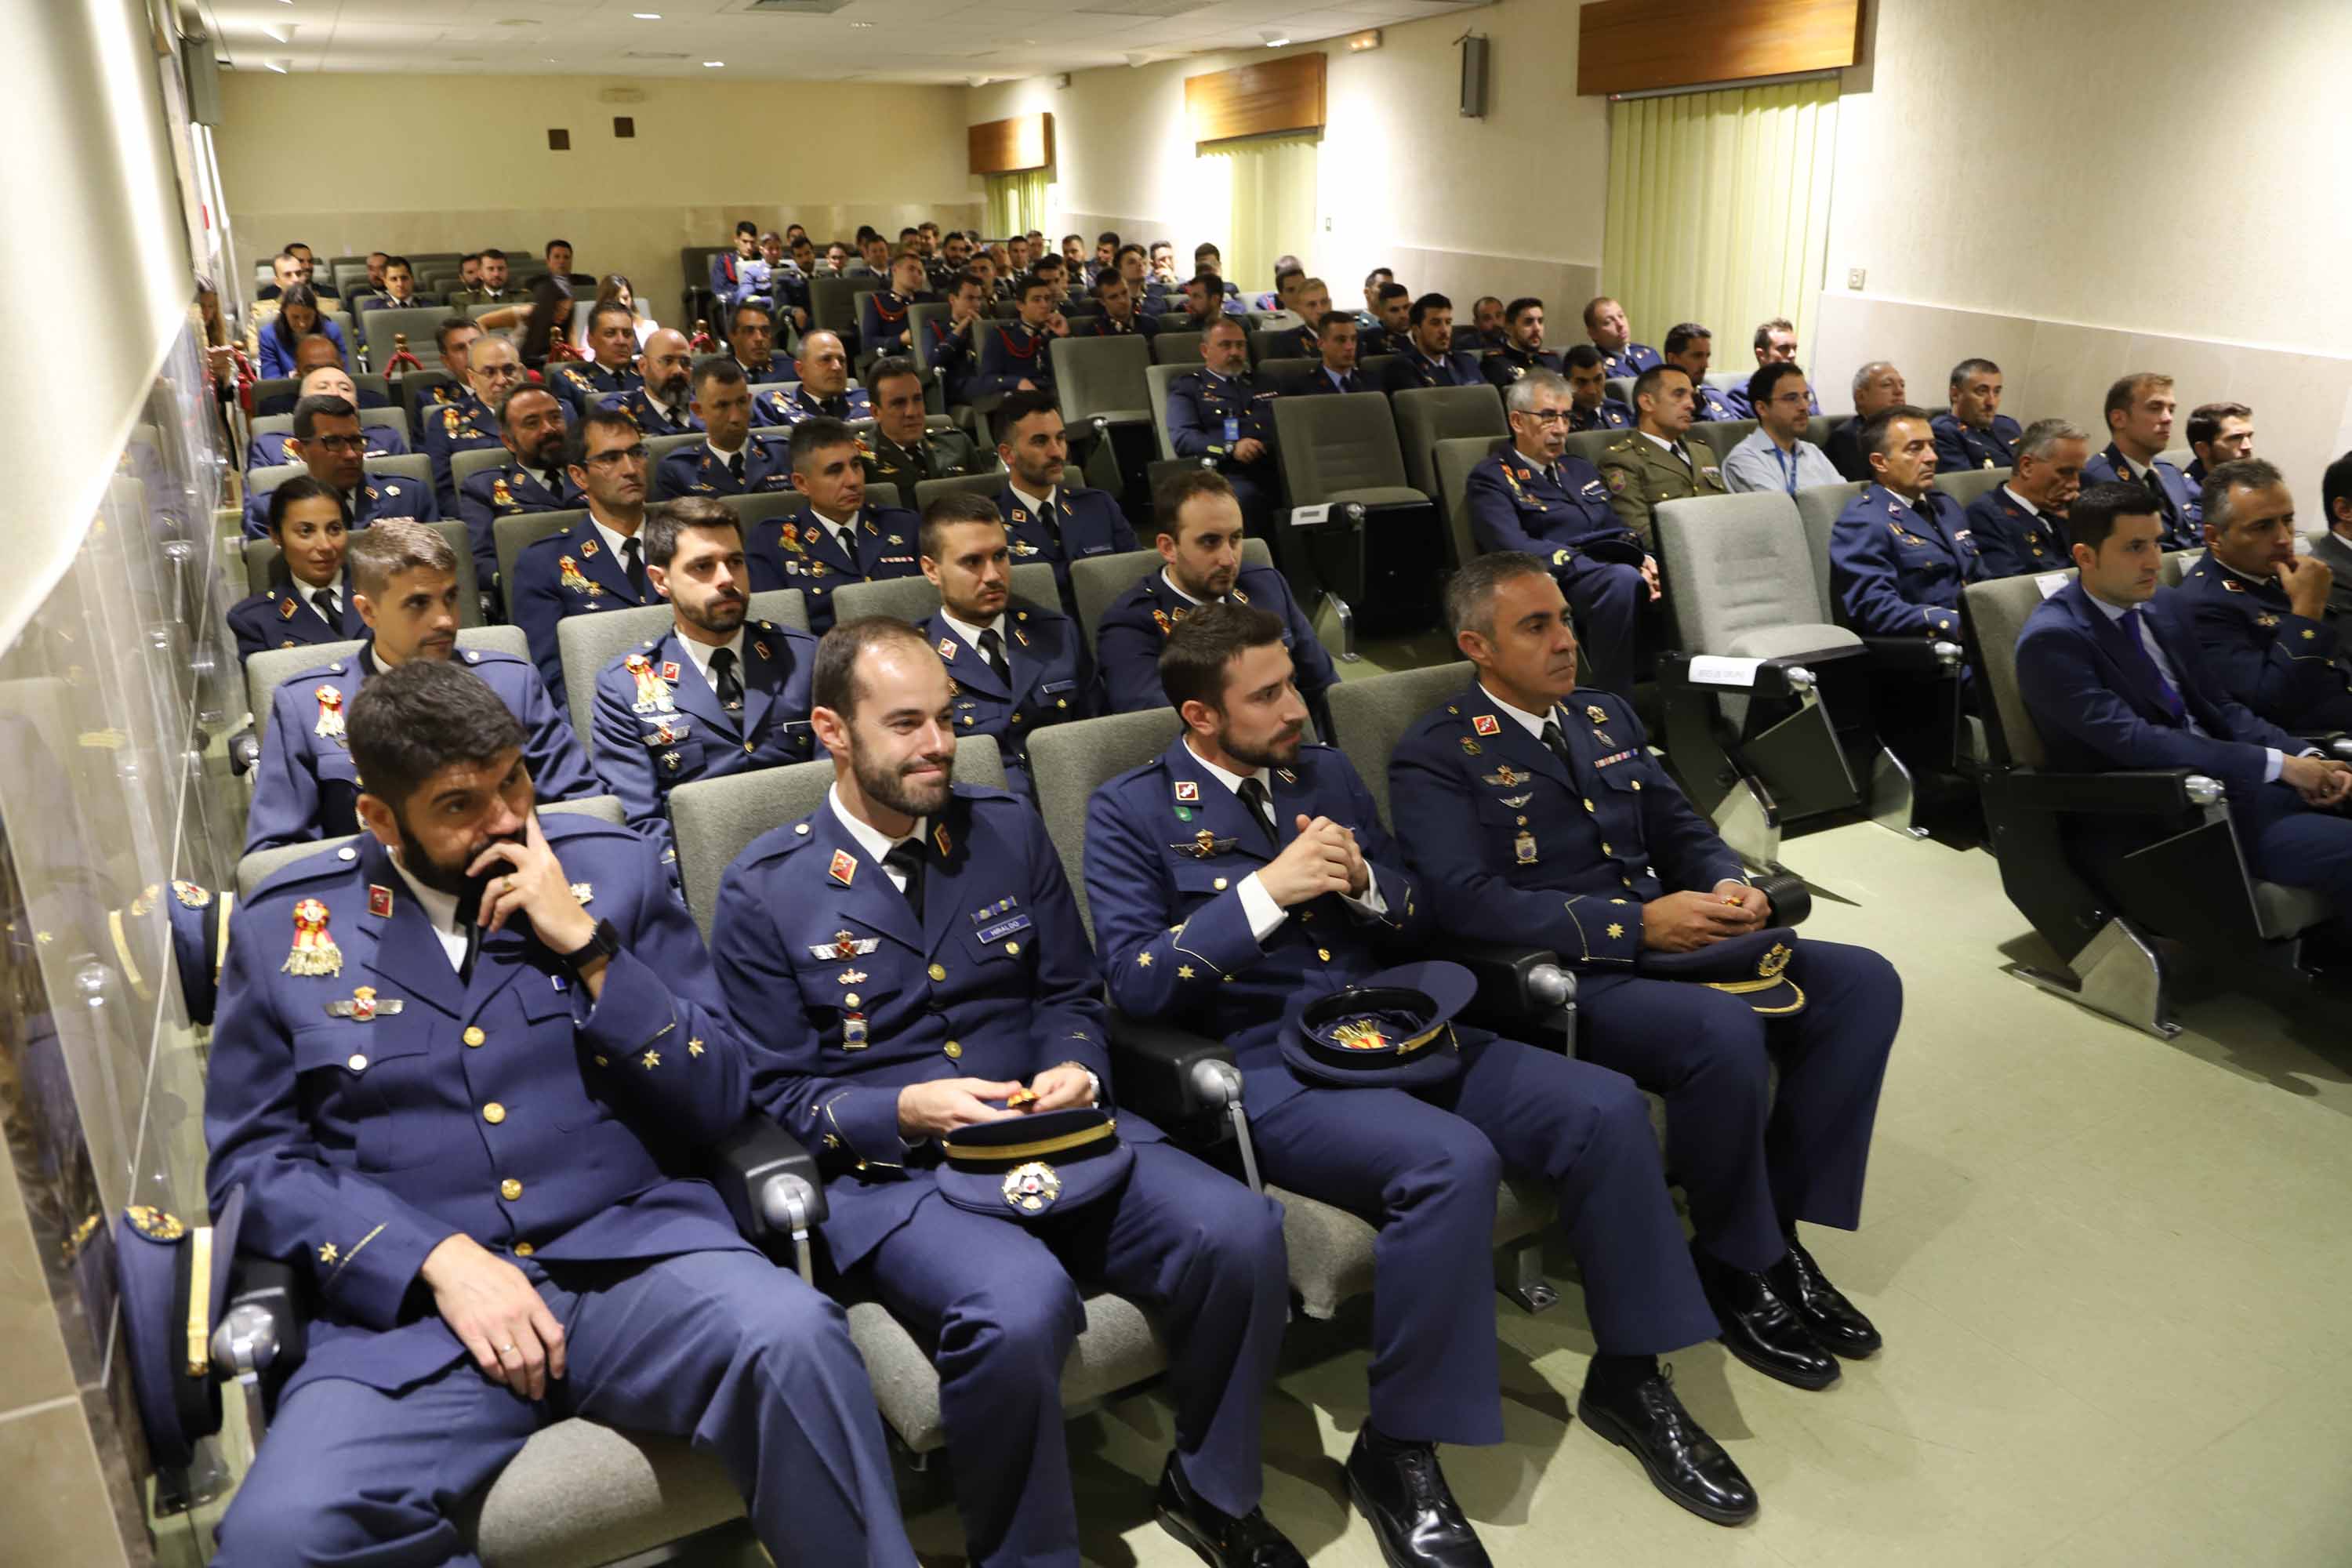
(825, 391)
(662, 403)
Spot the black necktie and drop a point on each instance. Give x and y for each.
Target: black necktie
(472, 943)
(634, 549)
(1557, 745)
(1260, 801)
(1052, 525)
(724, 681)
(991, 648)
(735, 467)
(906, 858)
(554, 482)
(325, 599)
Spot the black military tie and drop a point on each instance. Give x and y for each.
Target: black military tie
(838, 407)
(1557, 745)
(735, 468)
(1260, 800)
(634, 549)
(325, 599)
(724, 681)
(991, 648)
(554, 482)
(906, 858)
(1051, 524)
(473, 933)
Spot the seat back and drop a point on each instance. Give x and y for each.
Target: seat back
(1621, 388)
(416, 389)
(1428, 415)
(660, 447)
(261, 555)
(407, 465)
(379, 328)
(1998, 612)
(913, 599)
(1102, 377)
(930, 490)
(1289, 378)
(1331, 446)
(370, 418)
(256, 867)
(465, 465)
(1739, 564)
(512, 535)
(1067, 762)
(1818, 428)
(266, 671)
(1819, 505)
(1181, 348)
(587, 643)
(1590, 444)
(1157, 378)
(2175, 565)
(1720, 435)
(765, 505)
(1455, 457)
(1964, 485)
(785, 606)
(715, 820)
(1096, 581)
(1372, 715)
(833, 304)
(919, 319)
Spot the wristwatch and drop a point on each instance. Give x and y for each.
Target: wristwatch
(605, 943)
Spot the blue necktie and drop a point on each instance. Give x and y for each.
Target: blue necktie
(2129, 626)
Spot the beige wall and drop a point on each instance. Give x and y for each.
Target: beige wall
(2143, 186)
(1507, 204)
(458, 162)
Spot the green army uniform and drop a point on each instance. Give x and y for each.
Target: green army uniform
(938, 455)
(1640, 474)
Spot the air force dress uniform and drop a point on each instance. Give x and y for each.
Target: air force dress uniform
(2283, 666)
(1139, 623)
(305, 786)
(849, 990)
(1048, 679)
(1630, 361)
(954, 358)
(1561, 516)
(374, 1098)
(761, 467)
(508, 491)
(1897, 570)
(772, 409)
(1410, 368)
(802, 550)
(1710, 403)
(1518, 842)
(1961, 446)
(569, 572)
(1608, 415)
(2180, 508)
(2014, 538)
(374, 499)
(660, 721)
(1009, 353)
(1209, 415)
(1505, 365)
(453, 427)
(584, 384)
(648, 415)
(290, 616)
(268, 449)
(1185, 934)
(1074, 523)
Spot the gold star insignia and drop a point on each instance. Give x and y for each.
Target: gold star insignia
(1615, 929)
(1143, 960)
(652, 1059)
(1183, 972)
(694, 1048)
(327, 1253)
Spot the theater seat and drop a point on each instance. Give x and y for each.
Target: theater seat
(1097, 581)
(1178, 346)
(413, 466)
(1964, 484)
(1157, 378)
(586, 643)
(465, 465)
(1453, 459)
(512, 535)
(1428, 415)
(272, 666)
(378, 328)
(1720, 435)
(1342, 449)
(913, 599)
(256, 867)
(1103, 378)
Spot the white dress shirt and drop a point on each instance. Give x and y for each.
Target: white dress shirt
(1266, 916)
(872, 839)
(615, 538)
(699, 655)
(970, 632)
(441, 910)
(2032, 511)
(1052, 499)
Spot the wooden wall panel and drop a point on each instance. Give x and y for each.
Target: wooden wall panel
(1008, 146)
(1256, 101)
(1636, 46)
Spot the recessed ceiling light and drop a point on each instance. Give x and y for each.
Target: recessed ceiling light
(276, 65)
(1275, 40)
(712, 65)
(862, 24)
(646, 16)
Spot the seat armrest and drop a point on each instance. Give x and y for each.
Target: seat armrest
(1514, 981)
(264, 1325)
(243, 752)
(1791, 900)
(1936, 658)
(764, 1173)
(2333, 743)
(1781, 676)
(2127, 791)
(1170, 1074)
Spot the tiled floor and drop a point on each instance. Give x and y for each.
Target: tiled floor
(2113, 1274)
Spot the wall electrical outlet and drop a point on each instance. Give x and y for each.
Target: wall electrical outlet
(1854, 276)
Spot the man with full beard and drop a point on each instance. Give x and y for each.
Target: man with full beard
(908, 967)
(718, 693)
(663, 403)
(530, 422)
(436, 1049)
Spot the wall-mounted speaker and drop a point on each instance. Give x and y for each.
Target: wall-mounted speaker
(200, 63)
(1474, 77)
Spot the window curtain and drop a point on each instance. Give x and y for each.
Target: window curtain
(1719, 210)
(1016, 203)
(1268, 183)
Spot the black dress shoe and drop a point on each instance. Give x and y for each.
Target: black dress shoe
(1401, 1493)
(1222, 1540)
(1683, 1462)
(1837, 1324)
(1761, 1327)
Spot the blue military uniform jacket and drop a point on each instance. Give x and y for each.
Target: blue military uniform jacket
(692, 470)
(883, 317)
(1505, 365)
(569, 572)
(1089, 523)
(845, 999)
(1138, 624)
(1320, 383)
(1897, 570)
(512, 490)
(267, 449)
(954, 358)
(342, 1098)
(1959, 446)
(1011, 353)
(374, 498)
(1515, 505)
(457, 426)
(1630, 361)
(1611, 414)
(773, 408)
(2011, 541)
(1410, 368)
(1146, 327)
(1053, 682)
(2192, 505)
(583, 384)
(647, 417)
(2174, 498)
(284, 616)
(2254, 648)
(1167, 849)
(1208, 414)
(305, 786)
(1507, 837)
(659, 725)
(1712, 402)
(799, 552)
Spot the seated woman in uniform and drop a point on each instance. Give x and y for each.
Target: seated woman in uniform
(309, 523)
(298, 318)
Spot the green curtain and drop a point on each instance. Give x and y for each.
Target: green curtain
(1719, 210)
(1268, 185)
(1016, 203)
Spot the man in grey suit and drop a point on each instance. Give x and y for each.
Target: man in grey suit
(2334, 546)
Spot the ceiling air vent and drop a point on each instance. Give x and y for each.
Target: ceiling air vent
(793, 7)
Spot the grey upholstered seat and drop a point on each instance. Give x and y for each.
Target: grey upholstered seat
(913, 599)
(1428, 415)
(413, 466)
(1157, 376)
(1097, 581)
(1819, 506)
(1744, 585)
(513, 535)
(1341, 448)
(465, 465)
(1103, 378)
(1451, 460)
(1964, 484)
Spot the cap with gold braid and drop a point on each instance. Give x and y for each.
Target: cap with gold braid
(1393, 1029)
(1753, 968)
(1031, 1166)
(174, 1281)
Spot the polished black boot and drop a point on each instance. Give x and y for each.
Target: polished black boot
(1636, 1408)
(1222, 1540)
(1761, 1327)
(1401, 1493)
(1836, 1322)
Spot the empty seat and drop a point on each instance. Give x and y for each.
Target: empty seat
(378, 328)
(1428, 415)
(1181, 347)
(1103, 378)
(1341, 448)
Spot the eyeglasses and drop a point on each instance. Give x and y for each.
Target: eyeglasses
(340, 443)
(617, 456)
(1549, 415)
